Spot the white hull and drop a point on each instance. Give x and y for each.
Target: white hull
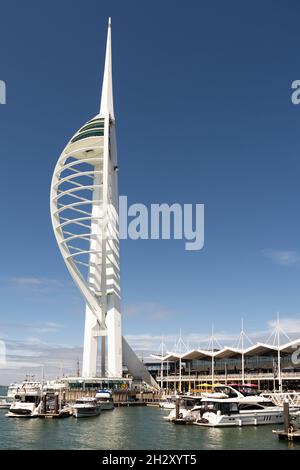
(241, 419)
(86, 412)
(167, 406)
(239, 410)
(15, 415)
(22, 410)
(85, 408)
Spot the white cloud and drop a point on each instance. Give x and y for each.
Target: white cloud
(147, 344)
(283, 257)
(12, 365)
(23, 352)
(48, 327)
(33, 285)
(288, 325)
(25, 281)
(27, 357)
(38, 328)
(36, 281)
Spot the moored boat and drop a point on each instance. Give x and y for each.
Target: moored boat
(24, 407)
(27, 387)
(104, 398)
(86, 407)
(247, 411)
(27, 401)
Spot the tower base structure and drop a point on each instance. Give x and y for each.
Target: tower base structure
(131, 361)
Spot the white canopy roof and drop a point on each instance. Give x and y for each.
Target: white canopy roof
(258, 349)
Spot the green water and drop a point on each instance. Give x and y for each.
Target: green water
(130, 428)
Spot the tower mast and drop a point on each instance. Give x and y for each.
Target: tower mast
(104, 268)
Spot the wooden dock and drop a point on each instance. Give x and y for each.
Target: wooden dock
(289, 433)
(288, 436)
(120, 397)
(129, 403)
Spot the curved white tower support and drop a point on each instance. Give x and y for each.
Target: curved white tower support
(84, 212)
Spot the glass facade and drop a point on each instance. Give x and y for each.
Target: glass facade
(93, 128)
(95, 125)
(85, 135)
(114, 384)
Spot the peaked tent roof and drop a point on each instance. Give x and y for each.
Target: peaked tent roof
(258, 349)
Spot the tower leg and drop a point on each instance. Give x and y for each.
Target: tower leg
(114, 338)
(90, 346)
(103, 356)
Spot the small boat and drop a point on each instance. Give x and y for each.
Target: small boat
(23, 409)
(86, 407)
(104, 398)
(26, 404)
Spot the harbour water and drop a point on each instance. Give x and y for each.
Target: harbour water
(130, 428)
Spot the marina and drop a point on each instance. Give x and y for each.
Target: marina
(220, 407)
(131, 428)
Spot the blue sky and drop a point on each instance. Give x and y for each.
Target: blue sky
(204, 115)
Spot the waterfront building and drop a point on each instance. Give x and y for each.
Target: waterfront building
(269, 366)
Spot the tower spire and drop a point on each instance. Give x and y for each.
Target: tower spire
(107, 101)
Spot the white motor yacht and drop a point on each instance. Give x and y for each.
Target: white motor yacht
(28, 387)
(229, 406)
(86, 407)
(26, 399)
(105, 399)
(25, 406)
(246, 411)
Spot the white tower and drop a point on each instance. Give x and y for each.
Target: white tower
(84, 212)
